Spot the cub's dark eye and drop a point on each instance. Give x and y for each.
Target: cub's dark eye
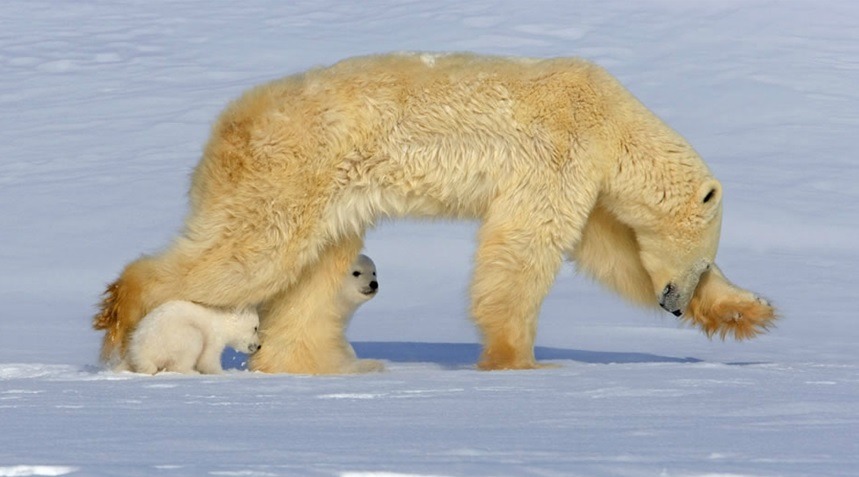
(356, 274)
(256, 328)
(709, 195)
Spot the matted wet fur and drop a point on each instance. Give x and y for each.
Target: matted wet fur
(553, 157)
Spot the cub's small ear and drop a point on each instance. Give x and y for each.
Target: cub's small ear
(710, 193)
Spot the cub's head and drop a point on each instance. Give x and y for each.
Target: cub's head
(361, 283)
(244, 331)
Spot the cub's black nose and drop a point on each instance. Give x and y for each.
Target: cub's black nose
(374, 285)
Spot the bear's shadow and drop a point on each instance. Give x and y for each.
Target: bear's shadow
(465, 355)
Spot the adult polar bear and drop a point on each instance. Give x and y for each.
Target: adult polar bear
(554, 157)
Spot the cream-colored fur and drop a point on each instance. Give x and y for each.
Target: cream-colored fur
(720, 307)
(550, 156)
(185, 337)
(359, 285)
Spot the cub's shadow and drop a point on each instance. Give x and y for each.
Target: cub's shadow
(465, 355)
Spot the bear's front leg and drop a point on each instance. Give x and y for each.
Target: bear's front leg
(514, 270)
(209, 361)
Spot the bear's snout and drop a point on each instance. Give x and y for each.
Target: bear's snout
(669, 298)
(254, 347)
(371, 289)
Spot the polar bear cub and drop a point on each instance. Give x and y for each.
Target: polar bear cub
(185, 337)
(360, 286)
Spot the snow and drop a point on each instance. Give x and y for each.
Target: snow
(104, 107)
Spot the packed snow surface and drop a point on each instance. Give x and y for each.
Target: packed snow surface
(104, 107)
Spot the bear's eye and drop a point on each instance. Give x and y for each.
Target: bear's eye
(256, 328)
(709, 195)
(356, 274)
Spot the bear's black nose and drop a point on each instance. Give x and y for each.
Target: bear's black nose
(374, 285)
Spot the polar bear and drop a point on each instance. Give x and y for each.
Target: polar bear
(554, 157)
(185, 337)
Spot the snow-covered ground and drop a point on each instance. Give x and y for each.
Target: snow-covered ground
(104, 107)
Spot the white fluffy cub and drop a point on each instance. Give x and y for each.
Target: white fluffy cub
(184, 337)
(359, 286)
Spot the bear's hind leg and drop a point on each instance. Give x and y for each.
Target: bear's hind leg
(302, 328)
(209, 361)
(180, 350)
(218, 271)
(514, 270)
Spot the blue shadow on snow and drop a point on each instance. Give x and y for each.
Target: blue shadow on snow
(456, 355)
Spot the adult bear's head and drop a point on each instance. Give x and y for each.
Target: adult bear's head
(660, 188)
(674, 207)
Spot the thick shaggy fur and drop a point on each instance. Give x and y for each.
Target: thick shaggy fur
(185, 337)
(554, 158)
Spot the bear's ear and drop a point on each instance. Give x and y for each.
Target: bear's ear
(710, 195)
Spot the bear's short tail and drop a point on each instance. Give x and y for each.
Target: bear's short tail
(122, 307)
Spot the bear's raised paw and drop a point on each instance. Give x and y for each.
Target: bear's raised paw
(720, 307)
